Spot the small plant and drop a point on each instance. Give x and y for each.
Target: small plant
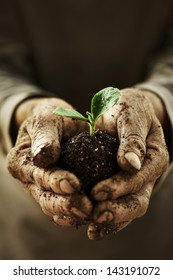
(100, 103)
(91, 156)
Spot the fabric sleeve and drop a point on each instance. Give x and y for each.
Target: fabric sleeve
(17, 83)
(160, 82)
(18, 77)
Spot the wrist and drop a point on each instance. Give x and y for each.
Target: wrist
(159, 109)
(24, 110)
(157, 104)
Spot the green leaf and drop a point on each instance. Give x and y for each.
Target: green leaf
(103, 100)
(69, 113)
(100, 103)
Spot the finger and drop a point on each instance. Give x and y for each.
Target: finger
(118, 185)
(52, 204)
(98, 231)
(45, 131)
(155, 163)
(125, 208)
(64, 221)
(58, 180)
(59, 219)
(130, 121)
(68, 222)
(19, 159)
(20, 165)
(133, 125)
(112, 216)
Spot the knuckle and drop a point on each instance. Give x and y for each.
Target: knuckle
(134, 143)
(142, 207)
(12, 162)
(64, 221)
(158, 153)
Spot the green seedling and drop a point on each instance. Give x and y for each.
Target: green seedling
(100, 103)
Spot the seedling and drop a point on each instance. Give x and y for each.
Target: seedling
(100, 103)
(91, 156)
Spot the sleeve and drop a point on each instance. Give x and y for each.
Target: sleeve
(18, 79)
(16, 84)
(160, 81)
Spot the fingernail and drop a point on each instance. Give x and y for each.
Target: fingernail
(38, 149)
(106, 216)
(133, 159)
(66, 187)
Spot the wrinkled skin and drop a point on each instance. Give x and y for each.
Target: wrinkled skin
(125, 196)
(32, 161)
(142, 156)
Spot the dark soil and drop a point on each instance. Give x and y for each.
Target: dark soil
(90, 158)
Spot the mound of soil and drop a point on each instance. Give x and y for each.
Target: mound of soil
(90, 158)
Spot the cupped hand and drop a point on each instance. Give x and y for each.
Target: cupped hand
(33, 161)
(142, 156)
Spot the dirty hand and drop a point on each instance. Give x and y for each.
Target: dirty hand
(142, 156)
(33, 158)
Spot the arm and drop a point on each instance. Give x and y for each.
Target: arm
(159, 88)
(22, 112)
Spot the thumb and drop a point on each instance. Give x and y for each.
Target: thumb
(131, 152)
(132, 148)
(45, 131)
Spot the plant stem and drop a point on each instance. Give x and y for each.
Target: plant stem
(91, 129)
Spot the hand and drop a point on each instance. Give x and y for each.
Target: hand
(142, 156)
(35, 154)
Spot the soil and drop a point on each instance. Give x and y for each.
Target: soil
(90, 158)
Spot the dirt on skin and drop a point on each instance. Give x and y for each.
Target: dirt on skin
(90, 158)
